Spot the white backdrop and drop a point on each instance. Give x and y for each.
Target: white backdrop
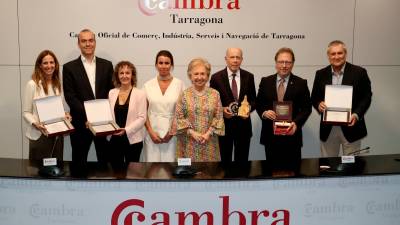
(259, 27)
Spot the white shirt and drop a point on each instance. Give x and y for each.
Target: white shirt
(90, 68)
(337, 78)
(237, 79)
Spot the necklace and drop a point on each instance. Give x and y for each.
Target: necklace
(199, 93)
(123, 95)
(164, 78)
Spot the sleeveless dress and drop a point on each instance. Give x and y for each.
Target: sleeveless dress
(161, 110)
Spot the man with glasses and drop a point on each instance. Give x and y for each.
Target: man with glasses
(340, 72)
(282, 88)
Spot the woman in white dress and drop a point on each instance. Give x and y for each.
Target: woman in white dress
(162, 94)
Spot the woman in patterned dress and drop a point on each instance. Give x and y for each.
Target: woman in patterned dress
(198, 117)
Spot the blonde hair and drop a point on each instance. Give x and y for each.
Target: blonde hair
(199, 62)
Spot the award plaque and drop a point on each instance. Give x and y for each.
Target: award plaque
(51, 114)
(244, 109)
(338, 116)
(283, 111)
(98, 113)
(234, 108)
(338, 100)
(104, 129)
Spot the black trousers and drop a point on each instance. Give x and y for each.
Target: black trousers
(238, 145)
(122, 152)
(283, 156)
(81, 140)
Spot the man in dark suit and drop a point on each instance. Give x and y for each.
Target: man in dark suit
(238, 130)
(85, 78)
(292, 88)
(340, 72)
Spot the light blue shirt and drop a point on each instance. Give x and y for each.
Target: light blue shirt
(337, 77)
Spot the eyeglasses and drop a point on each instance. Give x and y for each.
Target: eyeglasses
(284, 63)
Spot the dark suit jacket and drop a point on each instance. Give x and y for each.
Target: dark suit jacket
(358, 78)
(235, 126)
(77, 87)
(297, 92)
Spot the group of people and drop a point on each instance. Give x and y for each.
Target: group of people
(170, 121)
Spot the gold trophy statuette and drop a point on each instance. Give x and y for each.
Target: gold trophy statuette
(244, 109)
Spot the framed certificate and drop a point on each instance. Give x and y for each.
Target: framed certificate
(52, 115)
(283, 111)
(338, 99)
(98, 113)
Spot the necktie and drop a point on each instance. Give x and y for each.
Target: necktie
(234, 88)
(281, 89)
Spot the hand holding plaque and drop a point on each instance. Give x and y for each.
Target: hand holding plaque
(283, 111)
(52, 116)
(338, 99)
(100, 120)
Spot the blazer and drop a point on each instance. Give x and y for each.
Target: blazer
(355, 76)
(137, 113)
(297, 92)
(77, 87)
(32, 92)
(220, 82)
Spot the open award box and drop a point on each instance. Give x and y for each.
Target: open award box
(100, 120)
(283, 111)
(338, 100)
(52, 115)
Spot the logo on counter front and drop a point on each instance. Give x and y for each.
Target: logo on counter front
(133, 211)
(152, 7)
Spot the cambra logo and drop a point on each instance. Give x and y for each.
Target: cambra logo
(152, 7)
(253, 217)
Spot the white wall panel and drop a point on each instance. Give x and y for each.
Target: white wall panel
(377, 32)
(382, 117)
(10, 113)
(318, 21)
(9, 32)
